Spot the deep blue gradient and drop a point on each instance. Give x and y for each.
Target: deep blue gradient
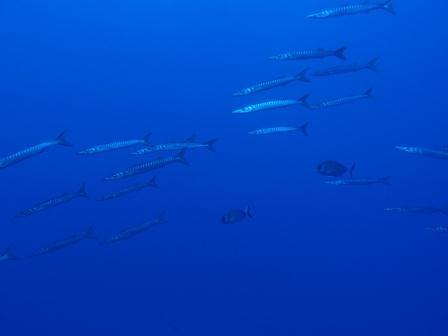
(315, 260)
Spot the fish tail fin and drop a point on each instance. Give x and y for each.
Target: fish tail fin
(373, 64)
(82, 191)
(61, 140)
(340, 53)
(248, 212)
(304, 100)
(153, 182)
(146, 139)
(304, 128)
(352, 169)
(385, 180)
(9, 254)
(368, 93)
(90, 233)
(302, 76)
(181, 157)
(210, 144)
(388, 7)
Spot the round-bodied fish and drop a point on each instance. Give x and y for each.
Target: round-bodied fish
(334, 169)
(236, 215)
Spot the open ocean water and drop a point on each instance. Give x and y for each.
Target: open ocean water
(315, 258)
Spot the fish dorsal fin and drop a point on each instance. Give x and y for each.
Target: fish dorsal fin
(191, 138)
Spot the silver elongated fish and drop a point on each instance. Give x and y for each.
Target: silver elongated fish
(360, 8)
(62, 244)
(441, 153)
(310, 54)
(360, 182)
(418, 210)
(189, 143)
(33, 151)
(131, 189)
(7, 255)
(281, 129)
(115, 146)
(134, 230)
(438, 229)
(338, 101)
(271, 105)
(349, 68)
(149, 166)
(54, 202)
(282, 81)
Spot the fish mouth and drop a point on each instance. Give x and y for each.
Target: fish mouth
(402, 148)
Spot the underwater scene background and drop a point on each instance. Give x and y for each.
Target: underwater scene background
(314, 259)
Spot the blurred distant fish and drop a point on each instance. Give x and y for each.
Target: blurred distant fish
(62, 244)
(281, 129)
(149, 166)
(54, 202)
(418, 210)
(33, 151)
(131, 189)
(116, 146)
(135, 230)
(282, 81)
(441, 153)
(360, 182)
(310, 54)
(8, 255)
(339, 101)
(343, 69)
(361, 8)
(334, 169)
(271, 105)
(439, 229)
(189, 143)
(236, 215)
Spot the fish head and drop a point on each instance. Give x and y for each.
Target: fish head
(405, 149)
(319, 15)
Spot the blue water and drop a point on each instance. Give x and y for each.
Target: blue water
(314, 260)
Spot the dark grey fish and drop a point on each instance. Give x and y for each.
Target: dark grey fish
(310, 54)
(338, 101)
(189, 143)
(441, 153)
(236, 215)
(362, 8)
(334, 169)
(116, 146)
(62, 244)
(360, 182)
(149, 166)
(7, 255)
(134, 230)
(418, 210)
(54, 202)
(33, 151)
(131, 189)
(282, 81)
(349, 68)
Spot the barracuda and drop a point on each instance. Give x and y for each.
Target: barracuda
(338, 101)
(362, 8)
(310, 54)
(115, 146)
(281, 129)
(33, 151)
(149, 166)
(263, 86)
